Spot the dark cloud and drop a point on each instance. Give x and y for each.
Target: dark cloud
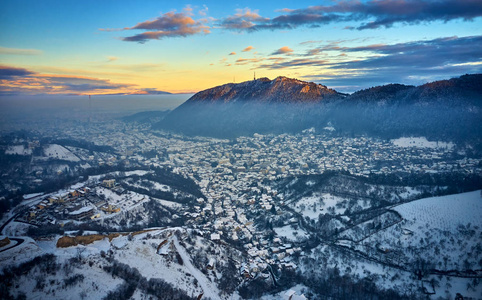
(353, 81)
(7, 72)
(243, 19)
(313, 52)
(435, 53)
(150, 91)
(81, 84)
(293, 63)
(245, 61)
(370, 15)
(413, 62)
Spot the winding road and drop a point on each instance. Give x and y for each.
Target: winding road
(209, 289)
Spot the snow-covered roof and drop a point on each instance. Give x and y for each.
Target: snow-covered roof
(81, 210)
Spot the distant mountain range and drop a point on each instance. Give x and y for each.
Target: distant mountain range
(449, 109)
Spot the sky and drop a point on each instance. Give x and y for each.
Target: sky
(149, 47)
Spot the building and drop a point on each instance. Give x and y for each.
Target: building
(109, 183)
(82, 213)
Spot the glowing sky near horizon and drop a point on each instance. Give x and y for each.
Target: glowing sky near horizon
(143, 47)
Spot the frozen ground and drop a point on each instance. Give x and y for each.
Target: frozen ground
(18, 150)
(445, 231)
(312, 206)
(59, 152)
(420, 142)
(290, 233)
(445, 213)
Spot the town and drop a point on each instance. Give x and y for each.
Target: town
(235, 179)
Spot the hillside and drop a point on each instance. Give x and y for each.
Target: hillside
(279, 90)
(446, 109)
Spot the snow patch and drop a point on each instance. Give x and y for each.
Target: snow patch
(59, 152)
(420, 142)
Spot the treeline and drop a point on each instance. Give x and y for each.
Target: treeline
(48, 230)
(151, 192)
(9, 160)
(167, 177)
(298, 184)
(175, 181)
(46, 264)
(330, 285)
(333, 285)
(10, 202)
(133, 280)
(259, 286)
(438, 121)
(455, 182)
(160, 216)
(82, 144)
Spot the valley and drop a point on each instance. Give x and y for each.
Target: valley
(251, 216)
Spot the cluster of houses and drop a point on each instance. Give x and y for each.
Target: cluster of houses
(79, 204)
(273, 156)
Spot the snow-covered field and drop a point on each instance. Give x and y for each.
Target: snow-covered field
(170, 204)
(420, 142)
(148, 184)
(128, 173)
(125, 201)
(445, 213)
(445, 231)
(59, 152)
(290, 233)
(312, 206)
(18, 150)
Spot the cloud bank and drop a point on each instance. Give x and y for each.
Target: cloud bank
(369, 15)
(15, 80)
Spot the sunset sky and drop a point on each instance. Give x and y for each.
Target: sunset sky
(143, 47)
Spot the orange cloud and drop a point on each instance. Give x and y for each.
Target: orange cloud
(283, 50)
(249, 48)
(245, 61)
(170, 24)
(232, 53)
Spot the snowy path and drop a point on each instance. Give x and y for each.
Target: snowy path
(209, 289)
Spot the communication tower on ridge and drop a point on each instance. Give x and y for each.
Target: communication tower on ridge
(90, 111)
(254, 76)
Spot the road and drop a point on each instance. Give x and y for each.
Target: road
(6, 223)
(210, 290)
(19, 242)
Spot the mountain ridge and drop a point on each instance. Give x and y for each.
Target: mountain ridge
(278, 90)
(445, 109)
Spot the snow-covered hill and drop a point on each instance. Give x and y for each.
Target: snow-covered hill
(445, 232)
(59, 152)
